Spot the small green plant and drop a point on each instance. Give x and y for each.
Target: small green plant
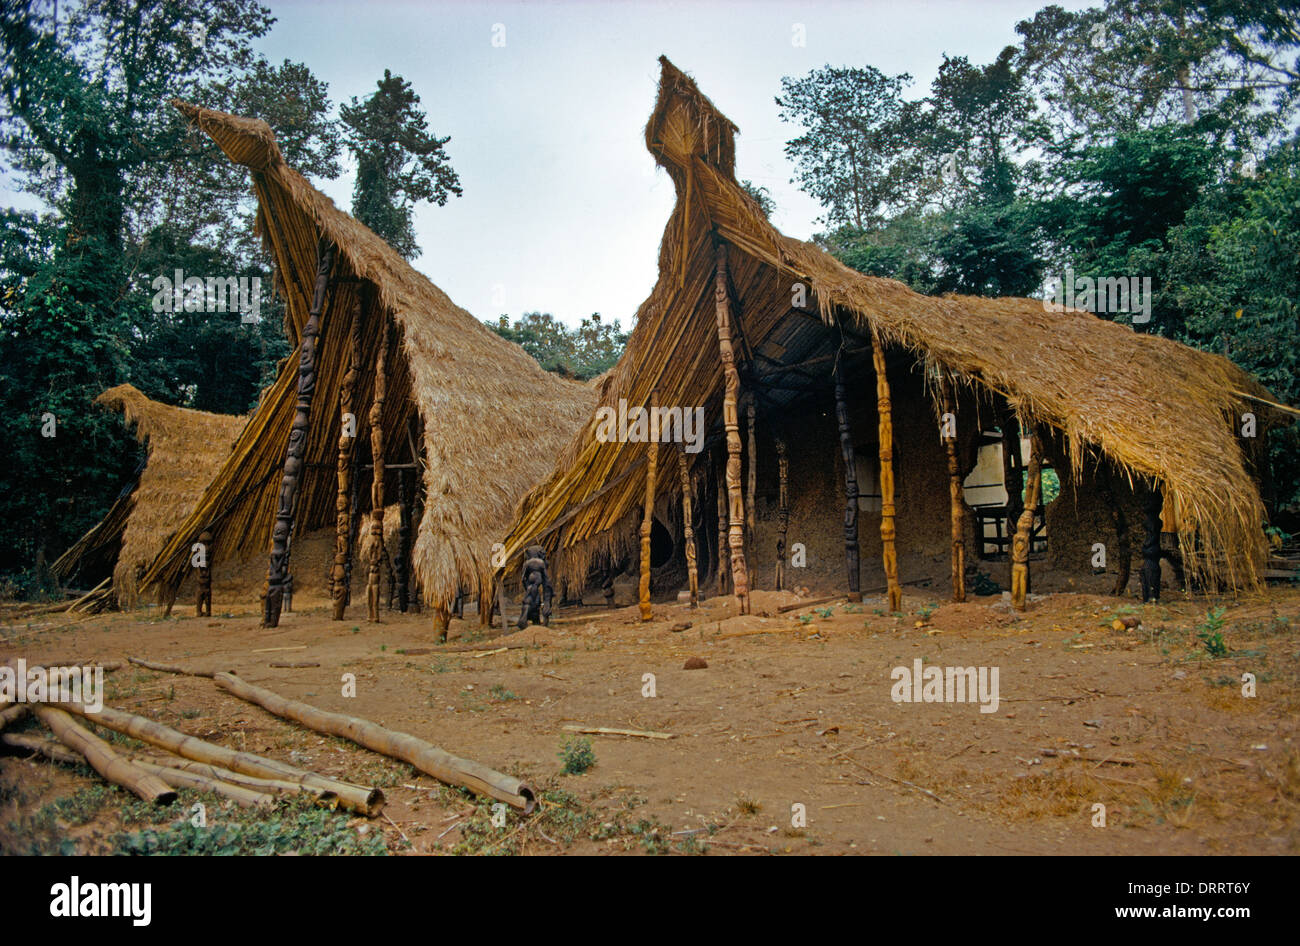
(500, 694)
(577, 756)
(805, 618)
(926, 610)
(1210, 633)
(825, 613)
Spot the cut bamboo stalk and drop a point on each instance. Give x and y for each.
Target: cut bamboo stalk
(347, 439)
(731, 421)
(852, 559)
(103, 759)
(51, 749)
(375, 541)
(11, 714)
(889, 554)
(425, 756)
(261, 786)
(783, 526)
(367, 801)
(956, 501)
(277, 575)
(603, 731)
(648, 515)
(169, 668)
(688, 528)
(1024, 528)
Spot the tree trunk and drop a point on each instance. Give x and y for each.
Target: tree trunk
(731, 420)
(887, 532)
(278, 572)
(1024, 528)
(343, 503)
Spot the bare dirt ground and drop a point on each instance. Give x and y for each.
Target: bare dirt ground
(793, 709)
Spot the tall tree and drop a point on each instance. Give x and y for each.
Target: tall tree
(399, 162)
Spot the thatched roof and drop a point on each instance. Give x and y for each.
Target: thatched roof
(185, 449)
(1162, 411)
(492, 419)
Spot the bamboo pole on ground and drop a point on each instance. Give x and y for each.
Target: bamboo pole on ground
(648, 515)
(295, 452)
(751, 487)
(889, 553)
(11, 714)
(783, 527)
(688, 528)
(956, 501)
(731, 420)
(103, 759)
(375, 540)
(724, 566)
(424, 756)
(1024, 528)
(852, 560)
(367, 801)
(342, 571)
(175, 776)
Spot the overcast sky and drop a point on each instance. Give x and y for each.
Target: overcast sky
(563, 207)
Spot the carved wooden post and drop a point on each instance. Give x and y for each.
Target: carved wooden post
(783, 526)
(1149, 576)
(376, 541)
(956, 501)
(1024, 528)
(402, 562)
(751, 487)
(295, 452)
(341, 576)
(647, 518)
(688, 528)
(1012, 474)
(724, 566)
(887, 532)
(851, 557)
(731, 420)
(203, 602)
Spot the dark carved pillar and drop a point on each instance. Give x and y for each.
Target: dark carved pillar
(295, 454)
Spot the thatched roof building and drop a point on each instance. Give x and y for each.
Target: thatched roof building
(1161, 412)
(469, 412)
(184, 450)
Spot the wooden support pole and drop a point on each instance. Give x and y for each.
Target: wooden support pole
(688, 527)
(783, 524)
(956, 500)
(724, 565)
(751, 487)
(1025, 527)
(851, 556)
(295, 453)
(375, 542)
(341, 575)
(203, 594)
(402, 561)
(731, 420)
(1149, 576)
(648, 515)
(1012, 469)
(884, 410)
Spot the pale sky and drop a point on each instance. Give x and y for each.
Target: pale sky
(563, 207)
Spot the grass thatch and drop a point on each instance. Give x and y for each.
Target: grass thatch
(1163, 411)
(185, 449)
(491, 419)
